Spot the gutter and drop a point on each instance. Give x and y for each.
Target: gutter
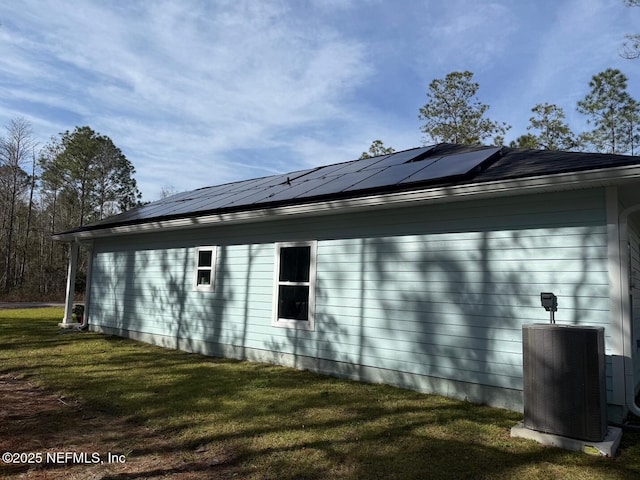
(491, 189)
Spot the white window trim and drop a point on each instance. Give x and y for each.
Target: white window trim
(285, 322)
(196, 269)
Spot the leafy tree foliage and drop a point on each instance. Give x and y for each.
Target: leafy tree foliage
(614, 114)
(453, 113)
(89, 175)
(528, 140)
(77, 177)
(376, 149)
(553, 132)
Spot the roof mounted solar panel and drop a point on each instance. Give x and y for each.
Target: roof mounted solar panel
(199, 205)
(399, 158)
(416, 165)
(297, 189)
(322, 171)
(298, 174)
(151, 211)
(246, 184)
(325, 180)
(205, 199)
(366, 163)
(336, 184)
(390, 176)
(355, 166)
(261, 195)
(452, 165)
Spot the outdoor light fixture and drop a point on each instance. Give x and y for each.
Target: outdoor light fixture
(550, 303)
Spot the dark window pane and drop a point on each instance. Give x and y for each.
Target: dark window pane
(204, 258)
(294, 264)
(204, 277)
(293, 302)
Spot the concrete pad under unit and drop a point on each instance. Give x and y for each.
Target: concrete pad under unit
(75, 325)
(607, 447)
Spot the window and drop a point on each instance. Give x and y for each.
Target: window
(294, 289)
(205, 268)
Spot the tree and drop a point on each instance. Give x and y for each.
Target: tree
(528, 140)
(167, 191)
(15, 149)
(54, 218)
(453, 114)
(376, 149)
(613, 112)
(631, 45)
(77, 177)
(89, 175)
(553, 132)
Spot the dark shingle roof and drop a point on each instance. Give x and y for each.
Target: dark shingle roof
(519, 163)
(431, 166)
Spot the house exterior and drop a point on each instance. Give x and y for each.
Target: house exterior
(415, 269)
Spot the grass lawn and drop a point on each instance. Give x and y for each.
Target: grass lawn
(270, 422)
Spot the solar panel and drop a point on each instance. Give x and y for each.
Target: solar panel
(325, 180)
(336, 184)
(350, 167)
(390, 176)
(399, 158)
(365, 163)
(246, 184)
(256, 191)
(186, 202)
(298, 189)
(452, 165)
(327, 170)
(423, 164)
(261, 195)
(197, 205)
(204, 198)
(300, 173)
(152, 210)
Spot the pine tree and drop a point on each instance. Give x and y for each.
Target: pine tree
(453, 113)
(614, 114)
(376, 149)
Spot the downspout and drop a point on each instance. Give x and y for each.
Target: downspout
(627, 320)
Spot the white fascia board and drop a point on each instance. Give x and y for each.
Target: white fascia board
(538, 184)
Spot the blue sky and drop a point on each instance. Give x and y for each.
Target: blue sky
(199, 92)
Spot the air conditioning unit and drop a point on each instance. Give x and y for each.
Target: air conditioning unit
(564, 380)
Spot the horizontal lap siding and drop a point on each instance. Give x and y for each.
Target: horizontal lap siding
(440, 290)
(151, 290)
(457, 312)
(634, 284)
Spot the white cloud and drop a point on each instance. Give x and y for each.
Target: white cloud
(184, 79)
(459, 34)
(198, 92)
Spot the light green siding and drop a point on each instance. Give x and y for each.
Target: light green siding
(437, 292)
(634, 285)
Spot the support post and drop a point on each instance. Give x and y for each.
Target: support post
(87, 295)
(67, 321)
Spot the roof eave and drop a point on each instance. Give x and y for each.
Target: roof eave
(537, 184)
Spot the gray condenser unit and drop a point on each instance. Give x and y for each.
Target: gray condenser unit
(564, 380)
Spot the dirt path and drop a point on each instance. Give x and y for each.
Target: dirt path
(53, 437)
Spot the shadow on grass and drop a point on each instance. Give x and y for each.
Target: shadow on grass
(273, 422)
